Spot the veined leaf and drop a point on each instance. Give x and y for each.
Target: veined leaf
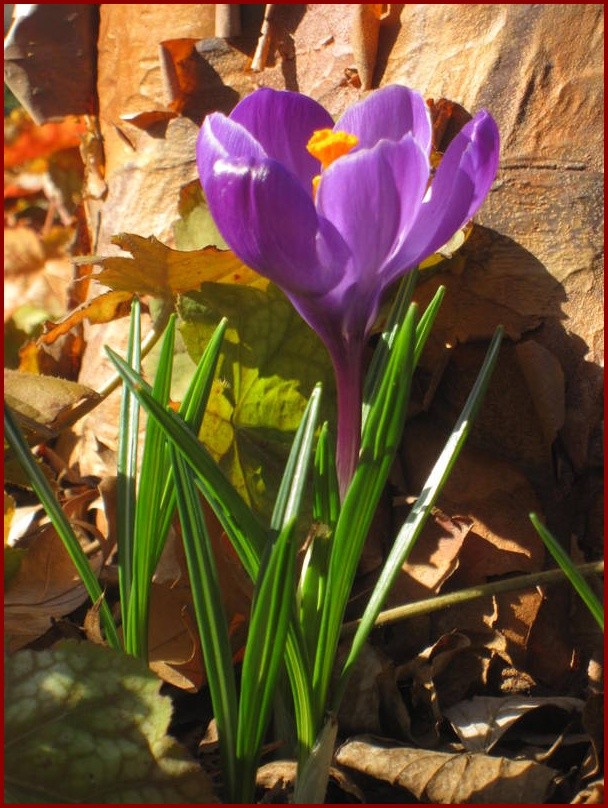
(85, 724)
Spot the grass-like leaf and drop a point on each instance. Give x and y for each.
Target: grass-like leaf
(293, 484)
(414, 523)
(244, 530)
(570, 571)
(210, 618)
(192, 410)
(60, 522)
(379, 443)
(126, 482)
(246, 534)
(147, 541)
(272, 609)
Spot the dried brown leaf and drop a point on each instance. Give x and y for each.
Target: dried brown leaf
(101, 309)
(441, 777)
(45, 401)
(45, 587)
(481, 722)
(157, 270)
(546, 382)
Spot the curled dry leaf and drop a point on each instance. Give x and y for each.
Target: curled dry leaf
(45, 401)
(433, 560)
(46, 585)
(101, 309)
(157, 270)
(372, 702)
(442, 777)
(481, 722)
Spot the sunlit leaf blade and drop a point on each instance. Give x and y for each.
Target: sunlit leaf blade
(192, 410)
(291, 490)
(128, 425)
(312, 589)
(326, 493)
(60, 522)
(379, 443)
(147, 543)
(210, 617)
(414, 523)
(426, 322)
(313, 776)
(245, 532)
(570, 571)
(272, 608)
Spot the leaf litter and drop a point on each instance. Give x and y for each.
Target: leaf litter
(459, 682)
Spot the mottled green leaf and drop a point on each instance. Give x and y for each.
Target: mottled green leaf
(85, 724)
(270, 363)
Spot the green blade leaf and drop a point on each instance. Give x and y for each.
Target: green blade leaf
(245, 532)
(210, 617)
(378, 446)
(147, 541)
(84, 724)
(414, 523)
(60, 522)
(192, 410)
(272, 608)
(126, 503)
(570, 571)
(289, 499)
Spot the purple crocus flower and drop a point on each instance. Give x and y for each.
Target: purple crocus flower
(335, 213)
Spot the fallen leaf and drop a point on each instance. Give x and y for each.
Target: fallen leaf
(593, 794)
(433, 560)
(174, 649)
(547, 385)
(447, 118)
(492, 493)
(45, 401)
(101, 309)
(157, 270)
(442, 777)
(34, 142)
(481, 722)
(372, 701)
(46, 586)
(180, 63)
(91, 724)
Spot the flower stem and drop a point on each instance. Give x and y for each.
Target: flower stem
(348, 371)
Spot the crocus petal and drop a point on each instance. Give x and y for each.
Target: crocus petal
(461, 184)
(283, 123)
(389, 113)
(221, 139)
(371, 197)
(270, 222)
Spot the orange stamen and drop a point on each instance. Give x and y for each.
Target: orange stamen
(327, 146)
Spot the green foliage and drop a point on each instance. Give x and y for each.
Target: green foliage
(581, 586)
(270, 362)
(84, 724)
